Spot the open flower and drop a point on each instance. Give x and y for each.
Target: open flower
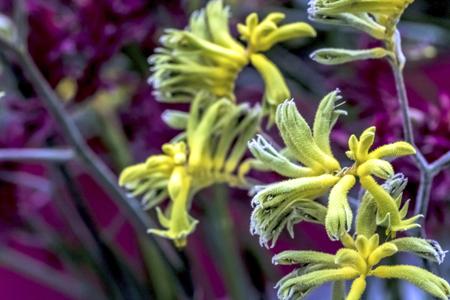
(205, 56)
(318, 172)
(210, 151)
(357, 260)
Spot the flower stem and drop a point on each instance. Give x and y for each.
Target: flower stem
(423, 193)
(221, 233)
(441, 163)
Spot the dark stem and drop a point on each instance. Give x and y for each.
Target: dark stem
(117, 284)
(96, 167)
(423, 194)
(440, 164)
(220, 232)
(42, 273)
(48, 155)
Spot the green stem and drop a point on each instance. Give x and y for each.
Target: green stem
(43, 274)
(221, 236)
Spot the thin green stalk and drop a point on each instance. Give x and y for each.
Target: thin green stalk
(43, 274)
(162, 281)
(226, 253)
(338, 290)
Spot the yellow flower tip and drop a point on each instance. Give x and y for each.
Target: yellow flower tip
(176, 151)
(385, 250)
(304, 30)
(380, 168)
(261, 36)
(178, 235)
(180, 243)
(131, 173)
(396, 149)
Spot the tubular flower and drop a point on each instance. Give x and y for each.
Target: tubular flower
(205, 56)
(369, 164)
(260, 37)
(211, 151)
(318, 172)
(379, 19)
(357, 260)
(393, 219)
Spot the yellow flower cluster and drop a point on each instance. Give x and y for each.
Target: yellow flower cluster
(321, 172)
(205, 56)
(199, 65)
(356, 261)
(211, 152)
(316, 173)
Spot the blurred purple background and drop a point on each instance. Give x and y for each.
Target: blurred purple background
(96, 51)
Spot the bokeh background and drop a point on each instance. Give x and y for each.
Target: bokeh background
(93, 53)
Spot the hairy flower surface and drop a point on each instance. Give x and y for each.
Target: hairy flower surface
(319, 172)
(357, 260)
(205, 56)
(209, 152)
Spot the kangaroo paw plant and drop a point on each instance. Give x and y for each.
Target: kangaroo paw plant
(377, 18)
(206, 56)
(210, 152)
(199, 65)
(316, 172)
